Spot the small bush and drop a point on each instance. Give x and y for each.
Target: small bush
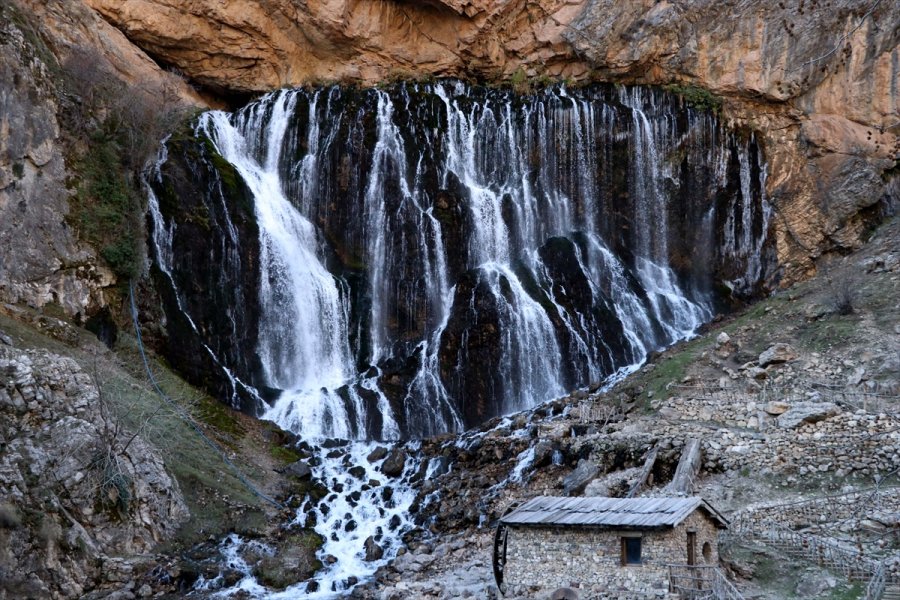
(9, 517)
(696, 97)
(117, 129)
(841, 295)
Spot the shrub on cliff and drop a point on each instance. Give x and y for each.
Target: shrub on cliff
(114, 129)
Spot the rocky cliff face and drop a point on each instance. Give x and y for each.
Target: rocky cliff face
(43, 260)
(76, 489)
(818, 82)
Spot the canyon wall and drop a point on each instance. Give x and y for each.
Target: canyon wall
(817, 80)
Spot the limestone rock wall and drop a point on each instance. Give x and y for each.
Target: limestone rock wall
(43, 261)
(64, 512)
(817, 81)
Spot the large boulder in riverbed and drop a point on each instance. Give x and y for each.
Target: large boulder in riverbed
(393, 464)
(373, 550)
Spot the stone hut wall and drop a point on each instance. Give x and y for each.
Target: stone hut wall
(549, 557)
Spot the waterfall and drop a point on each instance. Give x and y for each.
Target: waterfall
(418, 258)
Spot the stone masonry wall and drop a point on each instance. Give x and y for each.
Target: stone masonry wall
(568, 557)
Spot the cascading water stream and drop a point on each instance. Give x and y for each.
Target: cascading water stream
(303, 330)
(428, 256)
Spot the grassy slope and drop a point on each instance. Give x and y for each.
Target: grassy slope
(218, 501)
(803, 316)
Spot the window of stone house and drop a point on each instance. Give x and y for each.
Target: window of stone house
(707, 552)
(631, 551)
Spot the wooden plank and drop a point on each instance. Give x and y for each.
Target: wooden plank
(687, 470)
(645, 472)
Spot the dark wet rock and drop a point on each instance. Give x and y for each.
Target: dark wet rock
(358, 472)
(373, 550)
(393, 464)
(299, 469)
(334, 443)
(543, 454)
(439, 466)
(377, 454)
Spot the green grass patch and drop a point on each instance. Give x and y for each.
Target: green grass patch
(672, 367)
(696, 97)
(284, 455)
(824, 334)
(851, 592)
(106, 210)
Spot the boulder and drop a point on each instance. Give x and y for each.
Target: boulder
(577, 480)
(373, 550)
(776, 407)
(298, 469)
(807, 412)
(814, 584)
(757, 373)
(377, 454)
(777, 354)
(393, 464)
(543, 454)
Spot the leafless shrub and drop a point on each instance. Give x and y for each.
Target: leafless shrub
(136, 116)
(841, 295)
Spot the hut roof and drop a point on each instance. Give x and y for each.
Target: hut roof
(619, 513)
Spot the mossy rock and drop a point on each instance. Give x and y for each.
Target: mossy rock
(294, 561)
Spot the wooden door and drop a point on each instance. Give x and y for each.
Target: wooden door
(691, 548)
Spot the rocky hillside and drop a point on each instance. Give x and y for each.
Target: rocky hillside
(103, 485)
(77, 485)
(73, 89)
(796, 404)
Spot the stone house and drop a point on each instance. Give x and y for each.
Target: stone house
(604, 543)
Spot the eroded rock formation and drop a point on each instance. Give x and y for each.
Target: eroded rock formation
(75, 489)
(43, 261)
